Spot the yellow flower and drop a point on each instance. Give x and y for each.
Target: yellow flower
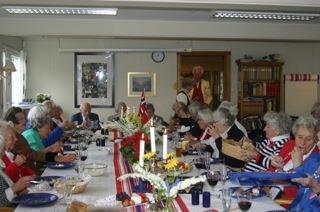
(149, 155)
(170, 155)
(171, 164)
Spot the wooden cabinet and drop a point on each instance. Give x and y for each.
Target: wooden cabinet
(260, 87)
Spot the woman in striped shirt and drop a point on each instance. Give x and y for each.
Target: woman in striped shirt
(277, 131)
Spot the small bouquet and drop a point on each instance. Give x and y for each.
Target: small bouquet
(41, 97)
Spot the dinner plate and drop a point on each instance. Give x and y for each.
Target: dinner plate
(35, 199)
(60, 165)
(236, 190)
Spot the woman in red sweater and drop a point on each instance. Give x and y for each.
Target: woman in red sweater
(294, 152)
(14, 164)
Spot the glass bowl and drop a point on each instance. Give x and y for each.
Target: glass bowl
(95, 169)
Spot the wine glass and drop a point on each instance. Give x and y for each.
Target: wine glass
(226, 199)
(224, 173)
(207, 160)
(244, 201)
(213, 177)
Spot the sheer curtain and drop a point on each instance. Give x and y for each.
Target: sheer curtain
(18, 78)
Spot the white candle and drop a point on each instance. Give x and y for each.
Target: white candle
(121, 112)
(128, 111)
(141, 153)
(165, 144)
(152, 137)
(133, 109)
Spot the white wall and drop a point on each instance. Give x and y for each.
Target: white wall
(53, 72)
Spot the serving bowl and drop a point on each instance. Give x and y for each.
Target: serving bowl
(95, 169)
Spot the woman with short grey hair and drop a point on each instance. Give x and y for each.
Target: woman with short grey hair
(277, 131)
(8, 189)
(294, 152)
(224, 127)
(40, 129)
(194, 108)
(233, 110)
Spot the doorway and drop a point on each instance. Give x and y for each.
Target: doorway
(216, 66)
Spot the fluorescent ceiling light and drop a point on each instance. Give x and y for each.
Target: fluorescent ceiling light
(59, 10)
(265, 15)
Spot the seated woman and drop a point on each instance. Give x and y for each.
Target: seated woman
(224, 128)
(277, 131)
(121, 108)
(8, 189)
(15, 166)
(308, 196)
(294, 152)
(157, 120)
(40, 130)
(186, 120)
(34, 159)
(194, 108)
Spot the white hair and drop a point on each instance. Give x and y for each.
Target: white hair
(3, 127)
(38, 111)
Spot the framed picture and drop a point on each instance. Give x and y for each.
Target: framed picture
(139, 81)
(94, 79)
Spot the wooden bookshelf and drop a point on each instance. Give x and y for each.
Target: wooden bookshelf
(260, 87)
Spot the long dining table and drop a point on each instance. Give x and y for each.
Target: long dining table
(108, 185)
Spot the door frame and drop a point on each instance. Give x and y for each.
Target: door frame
(226, 68)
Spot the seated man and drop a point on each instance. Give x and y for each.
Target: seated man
(157, 120)
(85, 117)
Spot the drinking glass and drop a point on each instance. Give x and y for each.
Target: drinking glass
(224, 173)
(207, 160)
(213, 177)
(226, 199)
(244, 201)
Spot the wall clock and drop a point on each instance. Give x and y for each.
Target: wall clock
(158, 57)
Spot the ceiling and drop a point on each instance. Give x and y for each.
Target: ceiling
(175, 10)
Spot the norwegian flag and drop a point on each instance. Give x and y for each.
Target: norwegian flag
(142, 109)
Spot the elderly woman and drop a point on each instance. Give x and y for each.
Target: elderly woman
(40, 130)
(121, 106)
(194, 108)
(277, 131)
(224, 127)
(186, 120)
(15, 166)
(294, 152)
(8, 189)
(33, 158)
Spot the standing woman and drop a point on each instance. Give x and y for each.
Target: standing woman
(8, 189)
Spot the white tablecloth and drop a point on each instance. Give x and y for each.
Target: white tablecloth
(103, 186)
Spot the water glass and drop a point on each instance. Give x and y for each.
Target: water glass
(223, 172)
(206, 199)
(226, 199)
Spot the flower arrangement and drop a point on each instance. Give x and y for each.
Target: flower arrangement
(130, 147)
(41, 97)
(163, 188)
(131, 124)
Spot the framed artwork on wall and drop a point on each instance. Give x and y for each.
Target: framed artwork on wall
(94, 79)
(139, 81)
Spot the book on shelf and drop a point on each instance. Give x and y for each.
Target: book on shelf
(263, 89)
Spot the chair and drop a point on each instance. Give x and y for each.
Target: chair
(254, 126)
(6, 209)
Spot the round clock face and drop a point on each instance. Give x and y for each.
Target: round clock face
(158, 57)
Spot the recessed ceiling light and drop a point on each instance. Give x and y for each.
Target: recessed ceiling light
(35, 10)
(265, 15)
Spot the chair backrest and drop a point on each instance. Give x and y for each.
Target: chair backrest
(6, 209)
(254, 126)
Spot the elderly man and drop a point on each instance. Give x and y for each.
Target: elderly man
(201, 90)
(85, 117)
(158, 120)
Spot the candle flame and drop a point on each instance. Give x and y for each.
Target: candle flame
(165, 131)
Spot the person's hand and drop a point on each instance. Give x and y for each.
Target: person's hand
(22, 183)
(212, 131)
(297, 157)
(194, 145)
(308, 181)
(19, 160)
(56, 147)
(277, 162)
(65, 158)
(248, 155)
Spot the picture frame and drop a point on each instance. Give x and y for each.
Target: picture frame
(94, 79)
(139, 81)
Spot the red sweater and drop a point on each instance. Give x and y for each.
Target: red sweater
(15, 172)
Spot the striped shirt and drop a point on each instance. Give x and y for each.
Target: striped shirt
(266, 149)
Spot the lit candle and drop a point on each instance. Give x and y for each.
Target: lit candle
(165, 144)
(141, 153)
(152, 136)
(121, 112)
